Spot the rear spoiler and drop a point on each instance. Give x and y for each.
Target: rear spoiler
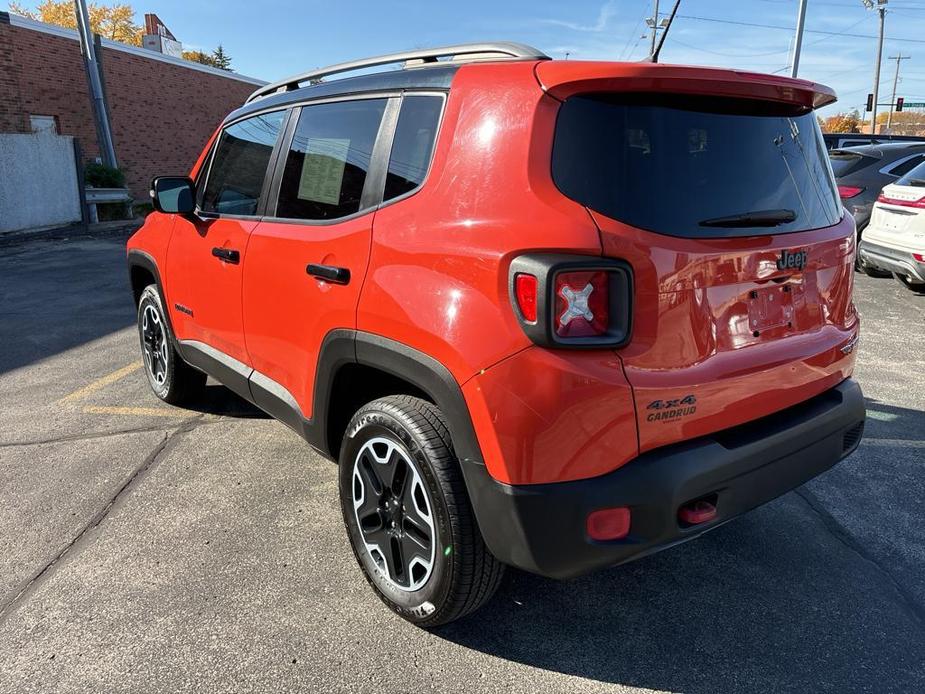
(564, 78)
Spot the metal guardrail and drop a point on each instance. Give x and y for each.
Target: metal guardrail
(503, 50)
(102, 196)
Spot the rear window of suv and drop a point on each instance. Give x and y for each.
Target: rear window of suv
(695, 167)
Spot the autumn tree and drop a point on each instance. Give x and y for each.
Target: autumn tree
(115, 22)
(199, 57)
(843, 123)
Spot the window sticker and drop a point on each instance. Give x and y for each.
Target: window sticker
(323, 169)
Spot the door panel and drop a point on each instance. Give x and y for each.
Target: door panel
(206, 254)
(323, 217)
(287, 311)
(205, 290)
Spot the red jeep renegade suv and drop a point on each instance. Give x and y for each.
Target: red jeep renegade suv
(556, 315)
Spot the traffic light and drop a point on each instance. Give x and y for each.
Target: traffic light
(870, 102)
(899, 104)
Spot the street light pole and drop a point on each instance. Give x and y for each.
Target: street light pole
(881, 10)
(897, 58)
(654, 28)
(87, 47)
(798, 40)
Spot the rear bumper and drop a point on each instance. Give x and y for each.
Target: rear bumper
(541, 528)
(891, 259)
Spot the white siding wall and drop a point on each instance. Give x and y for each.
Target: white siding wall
(38, 182)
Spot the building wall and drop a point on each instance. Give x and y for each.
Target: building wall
(162, 110)
(38, 187)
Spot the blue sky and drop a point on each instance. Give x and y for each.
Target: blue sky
(271, 39)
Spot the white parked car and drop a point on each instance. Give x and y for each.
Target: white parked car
(895, 239)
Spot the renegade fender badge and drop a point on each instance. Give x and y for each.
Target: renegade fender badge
(792, 259)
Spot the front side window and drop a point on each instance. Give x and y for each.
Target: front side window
(693, 167)
(239, 165)
(328, 160)
(413, 144)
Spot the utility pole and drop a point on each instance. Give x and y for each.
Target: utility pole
(654, 25)
(798, 40)
(897, 58)
(880, 5)
(88, 49)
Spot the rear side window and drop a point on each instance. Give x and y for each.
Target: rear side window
(695, 168)
(847, 163)
(239, 165)
(915, 177)
(413, 144)
(328, 160)
(906, 166)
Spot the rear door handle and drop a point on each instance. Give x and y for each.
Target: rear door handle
(330, 273)
(227, 255)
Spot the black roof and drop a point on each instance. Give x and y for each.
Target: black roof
(427, 77)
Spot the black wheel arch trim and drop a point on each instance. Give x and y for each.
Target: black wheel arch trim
(137, 258)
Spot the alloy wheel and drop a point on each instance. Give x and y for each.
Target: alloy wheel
(154, 344)
(394, 513)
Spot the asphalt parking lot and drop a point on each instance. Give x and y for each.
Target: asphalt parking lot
(145, 548)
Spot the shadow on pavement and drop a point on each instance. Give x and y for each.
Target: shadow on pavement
(58, 295)
(892, 422)
(782, 599)
(217, 399)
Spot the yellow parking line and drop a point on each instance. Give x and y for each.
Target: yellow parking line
(135, 411)
(100, 383)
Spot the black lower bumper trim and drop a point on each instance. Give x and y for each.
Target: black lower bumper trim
(541, 528)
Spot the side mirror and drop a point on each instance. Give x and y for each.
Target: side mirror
(173, 194)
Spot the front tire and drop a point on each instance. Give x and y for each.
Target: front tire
(172, 379)
(408, 515)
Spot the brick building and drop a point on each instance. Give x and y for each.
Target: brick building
(162, 109)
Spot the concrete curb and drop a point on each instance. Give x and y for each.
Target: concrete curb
(73, 231)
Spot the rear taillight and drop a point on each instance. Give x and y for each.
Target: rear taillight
(525, 288)
(582, 305)
(903, 203)
(919, 257)
(846, 192)
(572, 301)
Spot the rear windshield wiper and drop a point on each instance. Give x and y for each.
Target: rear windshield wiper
(758, 218)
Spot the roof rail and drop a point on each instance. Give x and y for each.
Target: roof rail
(476, 51)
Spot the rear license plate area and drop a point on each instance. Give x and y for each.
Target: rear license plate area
(770, 307)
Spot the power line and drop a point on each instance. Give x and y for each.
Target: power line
(789, 29)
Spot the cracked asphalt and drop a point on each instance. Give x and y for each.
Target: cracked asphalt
(149, 549)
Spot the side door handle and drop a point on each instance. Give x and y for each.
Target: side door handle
(330, 273)
(227, 255)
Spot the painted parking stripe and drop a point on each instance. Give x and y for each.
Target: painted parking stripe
(100, 383)
(135, 411)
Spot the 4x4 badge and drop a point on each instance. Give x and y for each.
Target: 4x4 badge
(792, 259)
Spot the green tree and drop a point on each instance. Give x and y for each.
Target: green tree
(221, 59)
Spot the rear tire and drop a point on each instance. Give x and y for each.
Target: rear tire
(172, 379)
(408, 515)
(912, 286)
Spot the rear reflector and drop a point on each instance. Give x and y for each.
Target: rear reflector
(582, 304)
(845, 192)
(609, 523)
(525, 287)
(697, 512)
(903, 203)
